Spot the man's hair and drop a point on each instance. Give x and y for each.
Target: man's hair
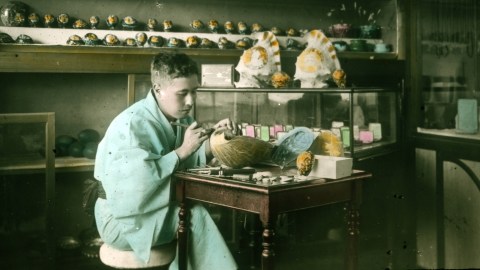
(167, 66)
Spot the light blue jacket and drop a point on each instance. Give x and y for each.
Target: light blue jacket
(134, 162)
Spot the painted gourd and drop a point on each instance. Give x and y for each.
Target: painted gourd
(129, 23)
(14, 13)
(213, 26)
(289, 146)
(112, 21)
(111, 40)
(237, 151)
(167, 25)
(155, 41)
(130, 42)
(152, 24)
(229, 28)
(6, 38)
(91, 39)
(94, 21)
(62, 20)
(207, 43)
(280, 79)
(141, 39)
(174, 42)
(197, 25)
(75, 40)
(48, 20)
(305, 162)
(80, 24)
(192, 42)
(24, 39)
(242, 28)
(33, 20)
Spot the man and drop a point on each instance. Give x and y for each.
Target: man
(136, 158)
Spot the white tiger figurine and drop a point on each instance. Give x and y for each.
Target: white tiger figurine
(258, 63)
(318, 62)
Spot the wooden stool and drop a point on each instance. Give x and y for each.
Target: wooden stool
(160, 257)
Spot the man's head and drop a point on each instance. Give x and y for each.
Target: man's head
(175, 83)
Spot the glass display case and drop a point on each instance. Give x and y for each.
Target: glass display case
(448, 57)
(364, 119)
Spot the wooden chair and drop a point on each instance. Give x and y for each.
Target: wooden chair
(160, 257)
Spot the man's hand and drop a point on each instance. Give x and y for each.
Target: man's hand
(227, 123)
(192, 140)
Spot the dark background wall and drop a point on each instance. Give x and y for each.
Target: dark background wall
(92, 100)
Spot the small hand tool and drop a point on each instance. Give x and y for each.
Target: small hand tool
(206, 131)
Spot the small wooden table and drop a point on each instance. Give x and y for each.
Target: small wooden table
(268, 200)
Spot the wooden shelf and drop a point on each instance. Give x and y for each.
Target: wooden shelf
(36, 164)
(59, 58)
(85, 59)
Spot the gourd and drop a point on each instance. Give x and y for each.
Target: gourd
(88, 135)
(238, 151)
(62, 143)
(90, 150)
(89, 138)
(76, 149)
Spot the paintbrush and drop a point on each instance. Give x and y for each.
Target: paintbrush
(206, 131)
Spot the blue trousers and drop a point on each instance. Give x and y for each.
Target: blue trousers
(207, 248)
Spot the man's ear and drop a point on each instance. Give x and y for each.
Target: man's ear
(156, 89)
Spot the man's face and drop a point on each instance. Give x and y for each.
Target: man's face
(177, 99)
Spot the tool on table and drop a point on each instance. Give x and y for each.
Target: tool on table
(222, 171)
(244, 174)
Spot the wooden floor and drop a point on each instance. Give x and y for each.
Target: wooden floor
(28, 253)
(305, 249)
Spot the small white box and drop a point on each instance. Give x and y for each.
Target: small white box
(467, 116)
(376, 129)
(217, 75)
(337, 124)
(331, 167)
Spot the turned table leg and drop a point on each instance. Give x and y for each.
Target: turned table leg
(353, 227)
(352, 237)
(268, 235)
(252, 224)
(182, 236)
